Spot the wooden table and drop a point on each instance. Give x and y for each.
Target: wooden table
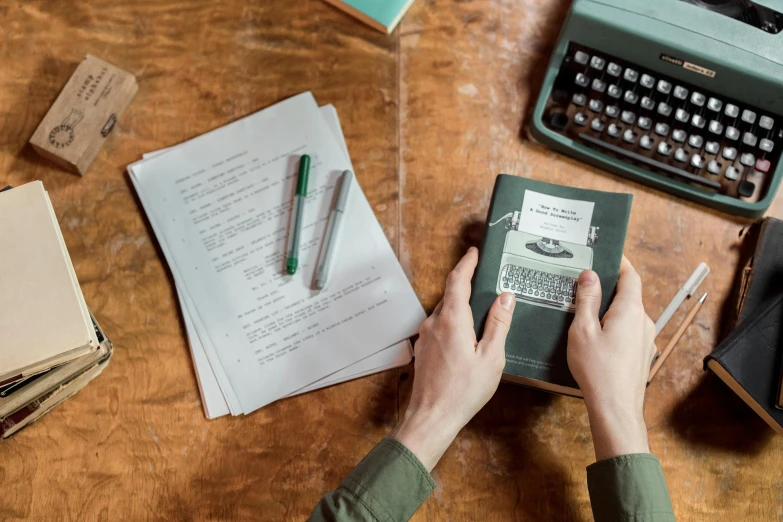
(431, 113)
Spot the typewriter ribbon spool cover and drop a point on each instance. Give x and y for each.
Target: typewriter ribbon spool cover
(539, 238)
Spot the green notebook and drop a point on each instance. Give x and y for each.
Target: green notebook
(383, 15)
(539, 237)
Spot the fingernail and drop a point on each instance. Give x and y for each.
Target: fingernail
(587, 278)
(471, 249)
(506, 300)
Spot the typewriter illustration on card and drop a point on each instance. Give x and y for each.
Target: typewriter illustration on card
(541, 270)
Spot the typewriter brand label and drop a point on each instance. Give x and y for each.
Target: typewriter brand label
(699, 69)
(671, 59)
(688, 65)
(556, 218)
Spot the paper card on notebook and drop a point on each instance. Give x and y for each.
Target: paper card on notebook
(556, 218)
(267, 328)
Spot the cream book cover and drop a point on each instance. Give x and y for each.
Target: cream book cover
(44, 319)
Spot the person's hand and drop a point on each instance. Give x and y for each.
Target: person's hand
(455, 375)
(610, 361)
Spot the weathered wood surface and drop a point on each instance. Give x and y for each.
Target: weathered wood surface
(431, 113)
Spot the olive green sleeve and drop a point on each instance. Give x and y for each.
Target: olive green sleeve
(388, 485)
(629, 488)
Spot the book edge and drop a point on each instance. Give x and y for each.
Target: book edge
(62, 373)
(54, 399)
(742, 313)
(723, 374)
(47, 364)
(713, 361)
(362, 17)
(542, 385)
(399, 16)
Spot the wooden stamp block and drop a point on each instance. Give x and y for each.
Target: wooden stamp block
(84, 114)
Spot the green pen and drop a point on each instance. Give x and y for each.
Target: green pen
(295, 229)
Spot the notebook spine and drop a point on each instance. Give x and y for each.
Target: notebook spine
(480, 268)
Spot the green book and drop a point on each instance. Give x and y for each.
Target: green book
(539, 237)
(383, 15)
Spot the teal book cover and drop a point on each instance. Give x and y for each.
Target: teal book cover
(539, 237)
(383, 15)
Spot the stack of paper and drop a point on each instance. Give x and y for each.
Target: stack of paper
(50, 345)
(219, 205)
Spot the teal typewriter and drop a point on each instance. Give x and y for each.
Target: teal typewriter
(682, 95)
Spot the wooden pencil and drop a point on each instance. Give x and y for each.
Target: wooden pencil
(676, 337)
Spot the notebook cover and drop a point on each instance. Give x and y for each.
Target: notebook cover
(762, 281)
(44, 320)
(536, 344)
(750, 357)
(383, 15)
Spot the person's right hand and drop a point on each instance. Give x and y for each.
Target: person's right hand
(610, 360)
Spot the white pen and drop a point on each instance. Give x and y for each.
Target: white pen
(332, 231)
(687, 290)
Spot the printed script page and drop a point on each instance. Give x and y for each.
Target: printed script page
(221, 204)
(212, 396)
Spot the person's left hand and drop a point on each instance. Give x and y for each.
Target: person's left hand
(455, 375)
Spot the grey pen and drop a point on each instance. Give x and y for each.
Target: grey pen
(332, 231)
(687, 290)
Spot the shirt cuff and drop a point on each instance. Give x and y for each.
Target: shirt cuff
(390, 481)
(629, 488)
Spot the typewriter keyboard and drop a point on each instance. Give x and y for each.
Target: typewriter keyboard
(665, 125)
(539, 287)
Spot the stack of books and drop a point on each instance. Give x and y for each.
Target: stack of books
(50, 346)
